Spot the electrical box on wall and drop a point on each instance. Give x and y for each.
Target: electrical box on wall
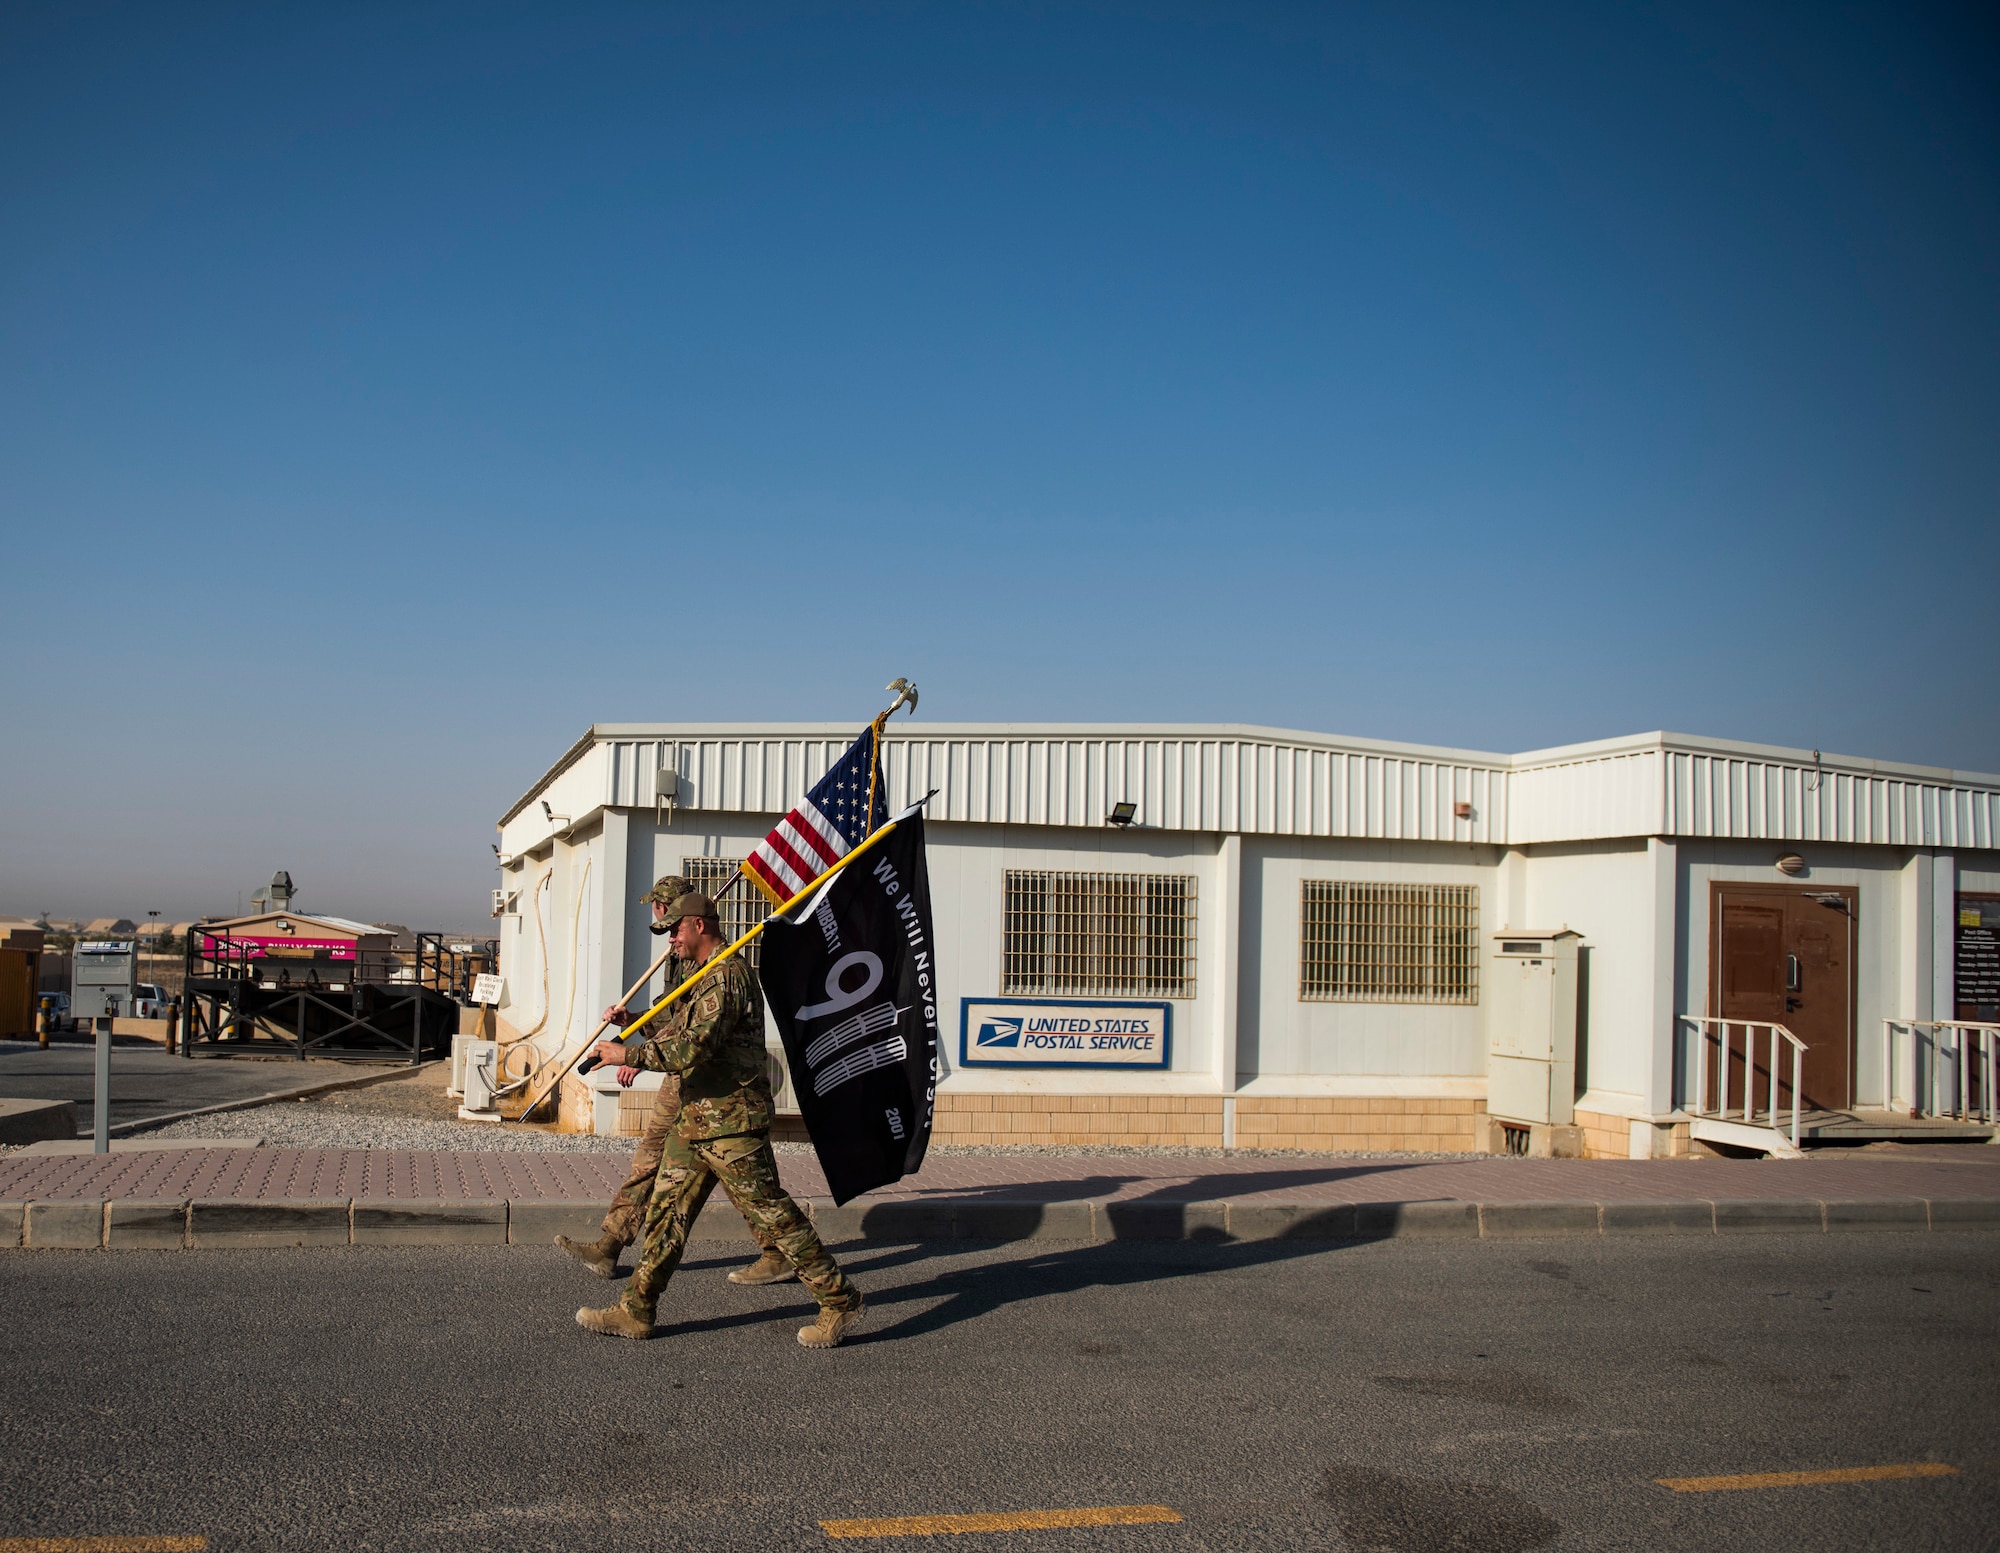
(1531, 1062)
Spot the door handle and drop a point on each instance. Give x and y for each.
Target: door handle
(1791, 973)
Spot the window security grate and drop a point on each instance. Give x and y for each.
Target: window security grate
(1121, 935)
(1388, 943)
(743, 908)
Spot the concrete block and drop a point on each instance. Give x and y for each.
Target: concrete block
(71, 1225)
(536, 1221)
(13, 1220)
(1537, 1220)
(988, 1219)
(1162, 1221)
(1965, 1213)
(903, 1220)
(1659, 1218)
(226, 1221)
(30, 1121)
(1426, 1220)
(1292, 1221)
(1867, 1213)
(833, 1224)
(430, 1221)
(1797, 1215)
(146, 1223)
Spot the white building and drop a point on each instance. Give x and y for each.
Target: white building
(1353, 943)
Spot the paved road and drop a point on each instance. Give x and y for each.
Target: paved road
(1413, 1396)
(145, 1081)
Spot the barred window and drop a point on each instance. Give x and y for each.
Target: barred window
(1388, 943)
(1125, 935)
(742, 909)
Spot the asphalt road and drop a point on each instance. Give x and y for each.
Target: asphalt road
(1402, 1396)
(145, 1081)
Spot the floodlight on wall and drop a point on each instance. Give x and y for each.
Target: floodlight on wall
(553, 817)
(1122, 814)
(1791, 865)
(1461, 810)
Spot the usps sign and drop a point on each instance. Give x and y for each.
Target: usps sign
(1062, 1033)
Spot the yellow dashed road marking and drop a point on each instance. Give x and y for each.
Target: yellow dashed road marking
(1907, 1469)
(103, 1544)
(1005, 1520)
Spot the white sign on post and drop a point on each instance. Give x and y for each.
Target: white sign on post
(486, 988)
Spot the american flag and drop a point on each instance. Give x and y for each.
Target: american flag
(823, 827)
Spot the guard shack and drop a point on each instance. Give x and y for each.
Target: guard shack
(281, 983)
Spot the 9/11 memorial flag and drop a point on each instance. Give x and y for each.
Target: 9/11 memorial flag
(853, 986)
(823, 827)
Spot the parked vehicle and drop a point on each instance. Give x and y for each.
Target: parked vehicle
(150, 1001)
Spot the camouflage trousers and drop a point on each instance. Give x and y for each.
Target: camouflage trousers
(748, 1172)
(626, 1221)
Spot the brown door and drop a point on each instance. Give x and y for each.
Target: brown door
(1785, 953)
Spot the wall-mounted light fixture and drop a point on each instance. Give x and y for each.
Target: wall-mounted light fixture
(1461, 810)
(1122, 814)
(1791, 865)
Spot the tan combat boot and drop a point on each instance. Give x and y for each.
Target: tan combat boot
(771, 1267)
(614, 1321)
(600, 1256)
(832, 1326)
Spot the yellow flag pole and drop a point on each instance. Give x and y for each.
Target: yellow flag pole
(686, 986)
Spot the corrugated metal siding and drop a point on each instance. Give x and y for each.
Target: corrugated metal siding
(1716, 795)
(1250, 786)
(1281, 787)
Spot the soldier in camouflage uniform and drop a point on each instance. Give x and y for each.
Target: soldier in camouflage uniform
(627, 1217)
(722, 1133)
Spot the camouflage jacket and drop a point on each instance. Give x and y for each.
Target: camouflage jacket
(639, 1052)
(714, 1043)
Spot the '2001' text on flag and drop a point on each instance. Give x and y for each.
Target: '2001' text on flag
(823, 827)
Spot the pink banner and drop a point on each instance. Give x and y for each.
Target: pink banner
(286, 946)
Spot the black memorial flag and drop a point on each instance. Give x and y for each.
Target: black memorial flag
(852, 984)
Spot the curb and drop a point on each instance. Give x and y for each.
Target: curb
(203, 1223)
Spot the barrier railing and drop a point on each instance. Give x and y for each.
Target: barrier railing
(1719, 1033)
(1936, 1076)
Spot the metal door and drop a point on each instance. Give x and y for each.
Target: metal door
(1785, 953)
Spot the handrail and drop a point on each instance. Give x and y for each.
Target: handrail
(1698, 1102)
(1982, 1101)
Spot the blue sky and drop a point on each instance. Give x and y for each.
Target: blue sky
(388, 392)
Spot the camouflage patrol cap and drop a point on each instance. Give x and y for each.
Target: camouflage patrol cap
(667, 889)
(692, 904)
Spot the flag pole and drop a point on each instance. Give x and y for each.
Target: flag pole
(680, 991)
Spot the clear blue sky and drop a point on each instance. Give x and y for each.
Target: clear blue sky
(388, 392)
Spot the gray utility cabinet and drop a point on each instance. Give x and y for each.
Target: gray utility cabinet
(1531, 1063)
(104, 981)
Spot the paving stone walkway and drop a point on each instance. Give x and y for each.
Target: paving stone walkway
(1966, 1172)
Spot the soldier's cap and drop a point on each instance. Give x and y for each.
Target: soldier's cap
(692, 904)
(666, 890)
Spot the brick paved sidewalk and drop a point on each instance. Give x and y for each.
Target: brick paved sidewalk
(1970, 1172)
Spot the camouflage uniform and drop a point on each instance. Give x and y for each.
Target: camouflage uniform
(714, 1042)
(627, 1219)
